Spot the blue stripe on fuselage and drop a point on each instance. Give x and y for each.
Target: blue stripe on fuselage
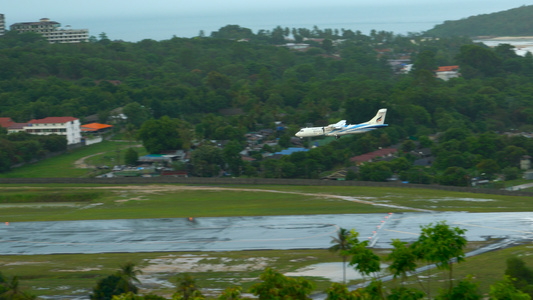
(355, 128)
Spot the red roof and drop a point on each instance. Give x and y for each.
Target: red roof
(94, 126)
(6, 122)
(53, 120)
(371, 155)
(247, 158)
(447, 68)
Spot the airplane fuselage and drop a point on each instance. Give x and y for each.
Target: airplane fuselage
(325, 131)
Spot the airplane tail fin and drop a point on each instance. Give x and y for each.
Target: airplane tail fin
(379, 118)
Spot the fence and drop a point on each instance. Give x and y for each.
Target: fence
(254, 181)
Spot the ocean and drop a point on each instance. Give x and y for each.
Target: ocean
(399, 19)
(165, 27)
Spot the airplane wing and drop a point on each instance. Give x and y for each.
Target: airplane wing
(338, 125)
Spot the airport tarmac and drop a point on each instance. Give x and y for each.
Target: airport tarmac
(247, 233)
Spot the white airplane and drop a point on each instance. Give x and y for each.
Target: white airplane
(340, 128)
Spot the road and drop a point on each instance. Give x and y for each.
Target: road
(520, 187)
(246, 233)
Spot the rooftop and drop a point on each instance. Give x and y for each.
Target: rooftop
(52, 120)
(6, 122)
(94, 127)
(371, 155)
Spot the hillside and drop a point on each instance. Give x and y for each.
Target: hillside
(512, 22)
(179, 91)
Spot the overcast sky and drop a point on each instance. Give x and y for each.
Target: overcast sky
(85, 14)
(60, 8)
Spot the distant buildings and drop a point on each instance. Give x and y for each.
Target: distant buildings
(2, 24)
(52, 31)
(297, 47)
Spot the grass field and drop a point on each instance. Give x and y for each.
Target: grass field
(26, 203)
(63, 165)
(64, 274)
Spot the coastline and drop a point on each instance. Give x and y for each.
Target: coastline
(522, 44)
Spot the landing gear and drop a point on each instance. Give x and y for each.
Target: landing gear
(337, 137)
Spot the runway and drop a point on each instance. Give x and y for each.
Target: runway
(246, 233)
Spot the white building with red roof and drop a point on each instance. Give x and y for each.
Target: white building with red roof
(67, 126)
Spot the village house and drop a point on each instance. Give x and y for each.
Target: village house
(447, 72)
(11, 126)
(372, 156)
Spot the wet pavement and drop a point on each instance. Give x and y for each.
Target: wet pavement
(246, 233)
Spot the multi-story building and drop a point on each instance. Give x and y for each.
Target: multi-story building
(67, 126)
(52, 31)
(2, 24)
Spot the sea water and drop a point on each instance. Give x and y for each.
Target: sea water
(399, 18)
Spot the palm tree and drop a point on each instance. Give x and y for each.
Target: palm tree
(187, 287)
(128, 275)
(13, 290)
(341, 244)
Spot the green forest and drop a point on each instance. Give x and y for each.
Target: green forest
(176, 94)
(512, 22)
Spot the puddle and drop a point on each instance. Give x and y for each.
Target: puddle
(331, 271)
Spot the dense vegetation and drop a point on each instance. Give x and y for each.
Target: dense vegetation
(179, 90)
(22, 147)
(512, 22)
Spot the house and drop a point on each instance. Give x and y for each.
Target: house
(16, 127)
(179, 173)
(5, 122)
(11, 126)
(525, 162)
(371, 156)
(316, 40)
(177, 155)
(163, 159)
(291, 150)
(447, 72)
(297, 46)
(67, 126)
